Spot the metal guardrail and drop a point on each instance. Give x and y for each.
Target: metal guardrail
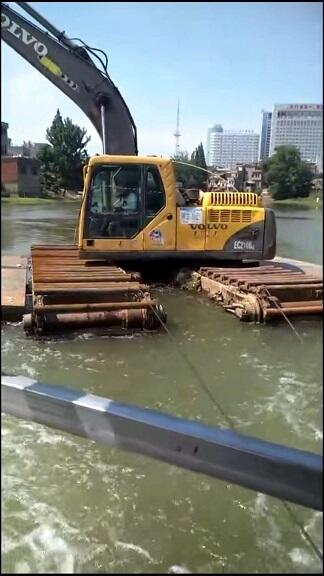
(279, 471)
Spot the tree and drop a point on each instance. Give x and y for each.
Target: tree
(50, 178)
(26, 148)
(198, 157)
(63, 158)
(190, 175)
(286, 174)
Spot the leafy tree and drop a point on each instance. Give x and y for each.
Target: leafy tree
(50, 178)
(26, 147)
(189, 175)
(63, 158)
(198, 157)
(286, 174)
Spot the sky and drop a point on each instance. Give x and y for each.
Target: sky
(224, 61)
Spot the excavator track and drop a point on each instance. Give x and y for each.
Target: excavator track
(54, 288)
(67, 292)
(262, 293)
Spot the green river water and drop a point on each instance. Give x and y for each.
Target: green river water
(72, 506)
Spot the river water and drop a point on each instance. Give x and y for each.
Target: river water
(72, 506)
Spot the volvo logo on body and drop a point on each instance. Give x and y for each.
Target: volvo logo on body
(208, 226)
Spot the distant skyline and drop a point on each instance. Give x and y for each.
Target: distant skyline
(226, 62)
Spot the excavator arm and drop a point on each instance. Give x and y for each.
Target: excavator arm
(69, 66)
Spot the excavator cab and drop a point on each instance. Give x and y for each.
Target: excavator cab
(128, 207)
(132, 209)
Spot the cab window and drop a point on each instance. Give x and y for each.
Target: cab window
(114, 202)
(154, 193)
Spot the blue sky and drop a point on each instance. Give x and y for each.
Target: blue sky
(225, 61)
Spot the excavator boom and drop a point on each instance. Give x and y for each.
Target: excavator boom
(70, 68)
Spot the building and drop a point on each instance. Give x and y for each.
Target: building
(36, 148)
(265, 135)
(244, 178)
(28, 149)
(20, 176)
(226, 148)
(299, 125)
(4, 138)
(248, 178)
(212, 133)
(222, 180)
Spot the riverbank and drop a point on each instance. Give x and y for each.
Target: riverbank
(309, 202)
(39, 201)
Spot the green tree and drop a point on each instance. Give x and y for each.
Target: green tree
(286, 174)
(63, 158)
(50, 180)
(190, 175)
(198, 157)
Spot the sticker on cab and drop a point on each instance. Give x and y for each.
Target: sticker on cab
(191, 215)
(156, 237)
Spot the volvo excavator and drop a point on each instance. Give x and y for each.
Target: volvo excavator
(131, 206)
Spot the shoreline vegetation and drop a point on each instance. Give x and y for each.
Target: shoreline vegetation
(309, 202)
(37, 200)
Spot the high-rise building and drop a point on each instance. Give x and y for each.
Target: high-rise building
(265, 135)
(299, 125)
(211, 141)
(226, 148)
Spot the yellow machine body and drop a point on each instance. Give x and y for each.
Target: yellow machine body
(220, 225)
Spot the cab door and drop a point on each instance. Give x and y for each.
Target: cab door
(114, 209)
(159, 208)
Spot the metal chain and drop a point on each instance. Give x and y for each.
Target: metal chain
(285, 316)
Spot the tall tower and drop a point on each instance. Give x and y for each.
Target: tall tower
(177, 132)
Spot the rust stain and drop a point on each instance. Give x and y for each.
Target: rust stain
(70, 292)
(260, 293)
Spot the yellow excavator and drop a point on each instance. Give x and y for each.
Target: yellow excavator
(132, 210)
(131, 207)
